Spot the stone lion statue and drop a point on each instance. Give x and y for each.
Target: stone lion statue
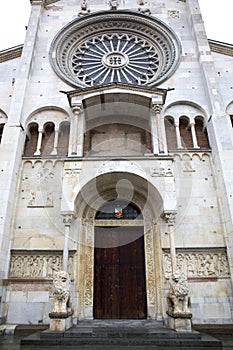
(177, 297)
(61, 292)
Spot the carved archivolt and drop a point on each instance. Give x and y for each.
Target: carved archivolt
(211, 263)
(37, 264)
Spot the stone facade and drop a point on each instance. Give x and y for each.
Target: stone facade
(149, 123)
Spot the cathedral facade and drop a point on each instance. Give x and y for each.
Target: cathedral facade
(116, 161)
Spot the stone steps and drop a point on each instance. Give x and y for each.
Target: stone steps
(119, 335)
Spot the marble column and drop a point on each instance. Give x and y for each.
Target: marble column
(67, 220)
(156, 109)
(76, 111)
(178, 138)
(194, 136)
(169, 218)
(55, 144)
(39, 142)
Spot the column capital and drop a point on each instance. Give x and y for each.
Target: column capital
(77, 108)
(67, 219)
(169, 216)
(156, 107)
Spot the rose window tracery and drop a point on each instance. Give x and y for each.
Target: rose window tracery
(109, 58)
(121, 47)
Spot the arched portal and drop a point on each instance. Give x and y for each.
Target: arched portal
(119, 263)
(132, 235)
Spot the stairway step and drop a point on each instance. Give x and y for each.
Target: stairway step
(179, 341)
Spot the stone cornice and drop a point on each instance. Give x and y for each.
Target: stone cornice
(81, 93)
(220, 47)
(10, 54)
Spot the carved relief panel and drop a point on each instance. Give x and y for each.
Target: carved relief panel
(199, 264)
(38, 264)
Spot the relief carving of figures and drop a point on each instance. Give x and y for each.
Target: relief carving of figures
(71, 172)
(84, 8)
(223, 268)
(113, 4)
(37, 265)
(54, 265)
(194, 264)
(40, 199)
(173, 14)
(143, 7)
(44, 174)
(32, 199)
(161, 171)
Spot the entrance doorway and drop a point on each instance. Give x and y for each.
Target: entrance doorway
(119, 273)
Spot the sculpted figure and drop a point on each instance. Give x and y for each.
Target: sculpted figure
(177, 297)
(61, 292)
(113, 4)
(143, 7)
(84, 8)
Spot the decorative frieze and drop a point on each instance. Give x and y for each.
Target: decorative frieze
(37, 264)
(198, 264)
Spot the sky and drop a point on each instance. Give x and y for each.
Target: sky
(14, 15)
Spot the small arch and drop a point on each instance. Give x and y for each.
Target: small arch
(47, 144)
(63, 139)
(201, 133)
(170, 132)
(31, 139)
(185, 132)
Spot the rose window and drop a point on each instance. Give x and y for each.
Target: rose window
(115, 47)
(115, 58)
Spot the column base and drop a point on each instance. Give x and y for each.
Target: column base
(180, 322)
(60, 321)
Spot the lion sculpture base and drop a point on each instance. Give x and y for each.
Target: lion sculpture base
(178, 304)
(61, 316)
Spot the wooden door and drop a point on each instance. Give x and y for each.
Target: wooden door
(119, 273)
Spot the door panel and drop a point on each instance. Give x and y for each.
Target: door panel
(119, 273)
